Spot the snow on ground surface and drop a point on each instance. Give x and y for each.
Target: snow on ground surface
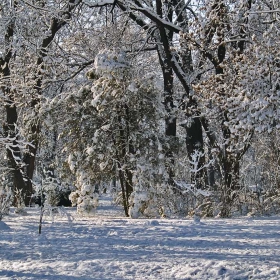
(109, 246)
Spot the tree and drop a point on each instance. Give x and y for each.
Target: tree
(217, 66)
(117, 117)
(215, 37)
(230, 43)
(27, 25)
(157, 19)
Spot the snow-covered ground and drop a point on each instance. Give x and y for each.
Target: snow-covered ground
(109, 246)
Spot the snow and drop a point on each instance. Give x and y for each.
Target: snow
(4, 226)
(110, 246)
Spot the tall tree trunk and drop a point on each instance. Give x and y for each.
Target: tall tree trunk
(170, 120)
(55, 25)
(14, 155)
(194, 135)
(230, 184)
(30, 157)
(164, 42)
(10, 126)
(124, 148)
(230, 161)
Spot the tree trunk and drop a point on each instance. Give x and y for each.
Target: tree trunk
(194, 135)
(230, 184)
(124, 148)
(194, 142)
(10, 129)
(164, 42)
(170, 120)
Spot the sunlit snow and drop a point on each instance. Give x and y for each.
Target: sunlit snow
(109, 246)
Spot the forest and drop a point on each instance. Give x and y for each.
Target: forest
(170, 106)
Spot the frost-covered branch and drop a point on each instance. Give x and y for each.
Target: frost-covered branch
(98, 3)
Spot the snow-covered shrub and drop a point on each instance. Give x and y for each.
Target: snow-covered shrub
(260, 173)
(154, 195)
(51, 192)
(85, 197)
(5, 201)
(260, 202)
(19, 202)
(150, 197)
(48, 188)
(155, 198)
(143, 203)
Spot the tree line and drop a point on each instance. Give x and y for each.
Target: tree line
(173, 104)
